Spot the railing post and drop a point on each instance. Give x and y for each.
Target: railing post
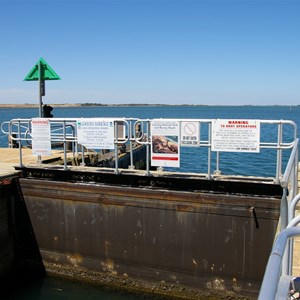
(148, 149)
(116, 148)
(130, 133)
(279, 153)
(292, 221)
(82, 156)
(217, 171)
(20, 143)
(65, 146)
(284, 210)
(209, 152)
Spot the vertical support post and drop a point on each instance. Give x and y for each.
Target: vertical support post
(283, 210)
(283, 225)
(279, 153)
(218, 163)
(116, 148)
(39, 158)
(82, 155)
(19, 143)
(40, 90)
(131, 136)
(73, 143)
(209, 153)
(148, 149)
(65, 146)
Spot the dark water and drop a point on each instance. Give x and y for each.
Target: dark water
(59, 288)
(51, 288)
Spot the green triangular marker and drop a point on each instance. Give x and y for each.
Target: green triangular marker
(47, 73)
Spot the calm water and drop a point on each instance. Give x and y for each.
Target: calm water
(57, 288)
(191, 160)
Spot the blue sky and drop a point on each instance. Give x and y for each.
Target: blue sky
(172, 52)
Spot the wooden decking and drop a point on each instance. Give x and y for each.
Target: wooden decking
(10, 157)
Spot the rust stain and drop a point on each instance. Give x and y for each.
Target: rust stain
(75, 259)
(107, 246)
(216, 284)
(194, 262)
(109, 266)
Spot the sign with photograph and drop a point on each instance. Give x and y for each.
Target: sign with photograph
(96, 133)
(233, 135)
(41, 136)
(189, 134)
(165, 143)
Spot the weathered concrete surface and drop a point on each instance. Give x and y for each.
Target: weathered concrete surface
(197, 239)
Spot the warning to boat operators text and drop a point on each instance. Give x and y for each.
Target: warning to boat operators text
(96, 133)
(41, 136)
(236, 135)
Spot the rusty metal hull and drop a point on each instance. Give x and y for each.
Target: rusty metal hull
(188, 238)
(6, 237)
(19, 253)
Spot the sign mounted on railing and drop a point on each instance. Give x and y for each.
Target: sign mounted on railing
(164, 143)
(95, 133)
(231, 135)
(41, 136)
(189, 134)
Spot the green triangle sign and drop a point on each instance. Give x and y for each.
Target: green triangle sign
(47, 72)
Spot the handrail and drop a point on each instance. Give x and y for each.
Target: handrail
(272, 274)
(292, 207)
(286, 263)
(290, 165)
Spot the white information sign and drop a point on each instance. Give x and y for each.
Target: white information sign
(189, 134)
(96, 133)
(165, 143)
(41, 136)
(232, 135)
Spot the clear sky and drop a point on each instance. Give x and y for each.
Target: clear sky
(151, 51)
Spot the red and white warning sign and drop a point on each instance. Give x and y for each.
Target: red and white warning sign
(232, 135)
(41, 136)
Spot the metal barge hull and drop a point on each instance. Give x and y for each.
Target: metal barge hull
(154, 229)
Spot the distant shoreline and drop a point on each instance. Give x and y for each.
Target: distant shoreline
(28, 105)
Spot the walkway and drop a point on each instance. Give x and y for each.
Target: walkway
(9, 158)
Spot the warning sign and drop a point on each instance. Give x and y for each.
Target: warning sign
(236, 135)
(189, 134)
(41, 136)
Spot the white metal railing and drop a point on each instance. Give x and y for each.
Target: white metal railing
(64, 131)
(278, 277)
(275, 286)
